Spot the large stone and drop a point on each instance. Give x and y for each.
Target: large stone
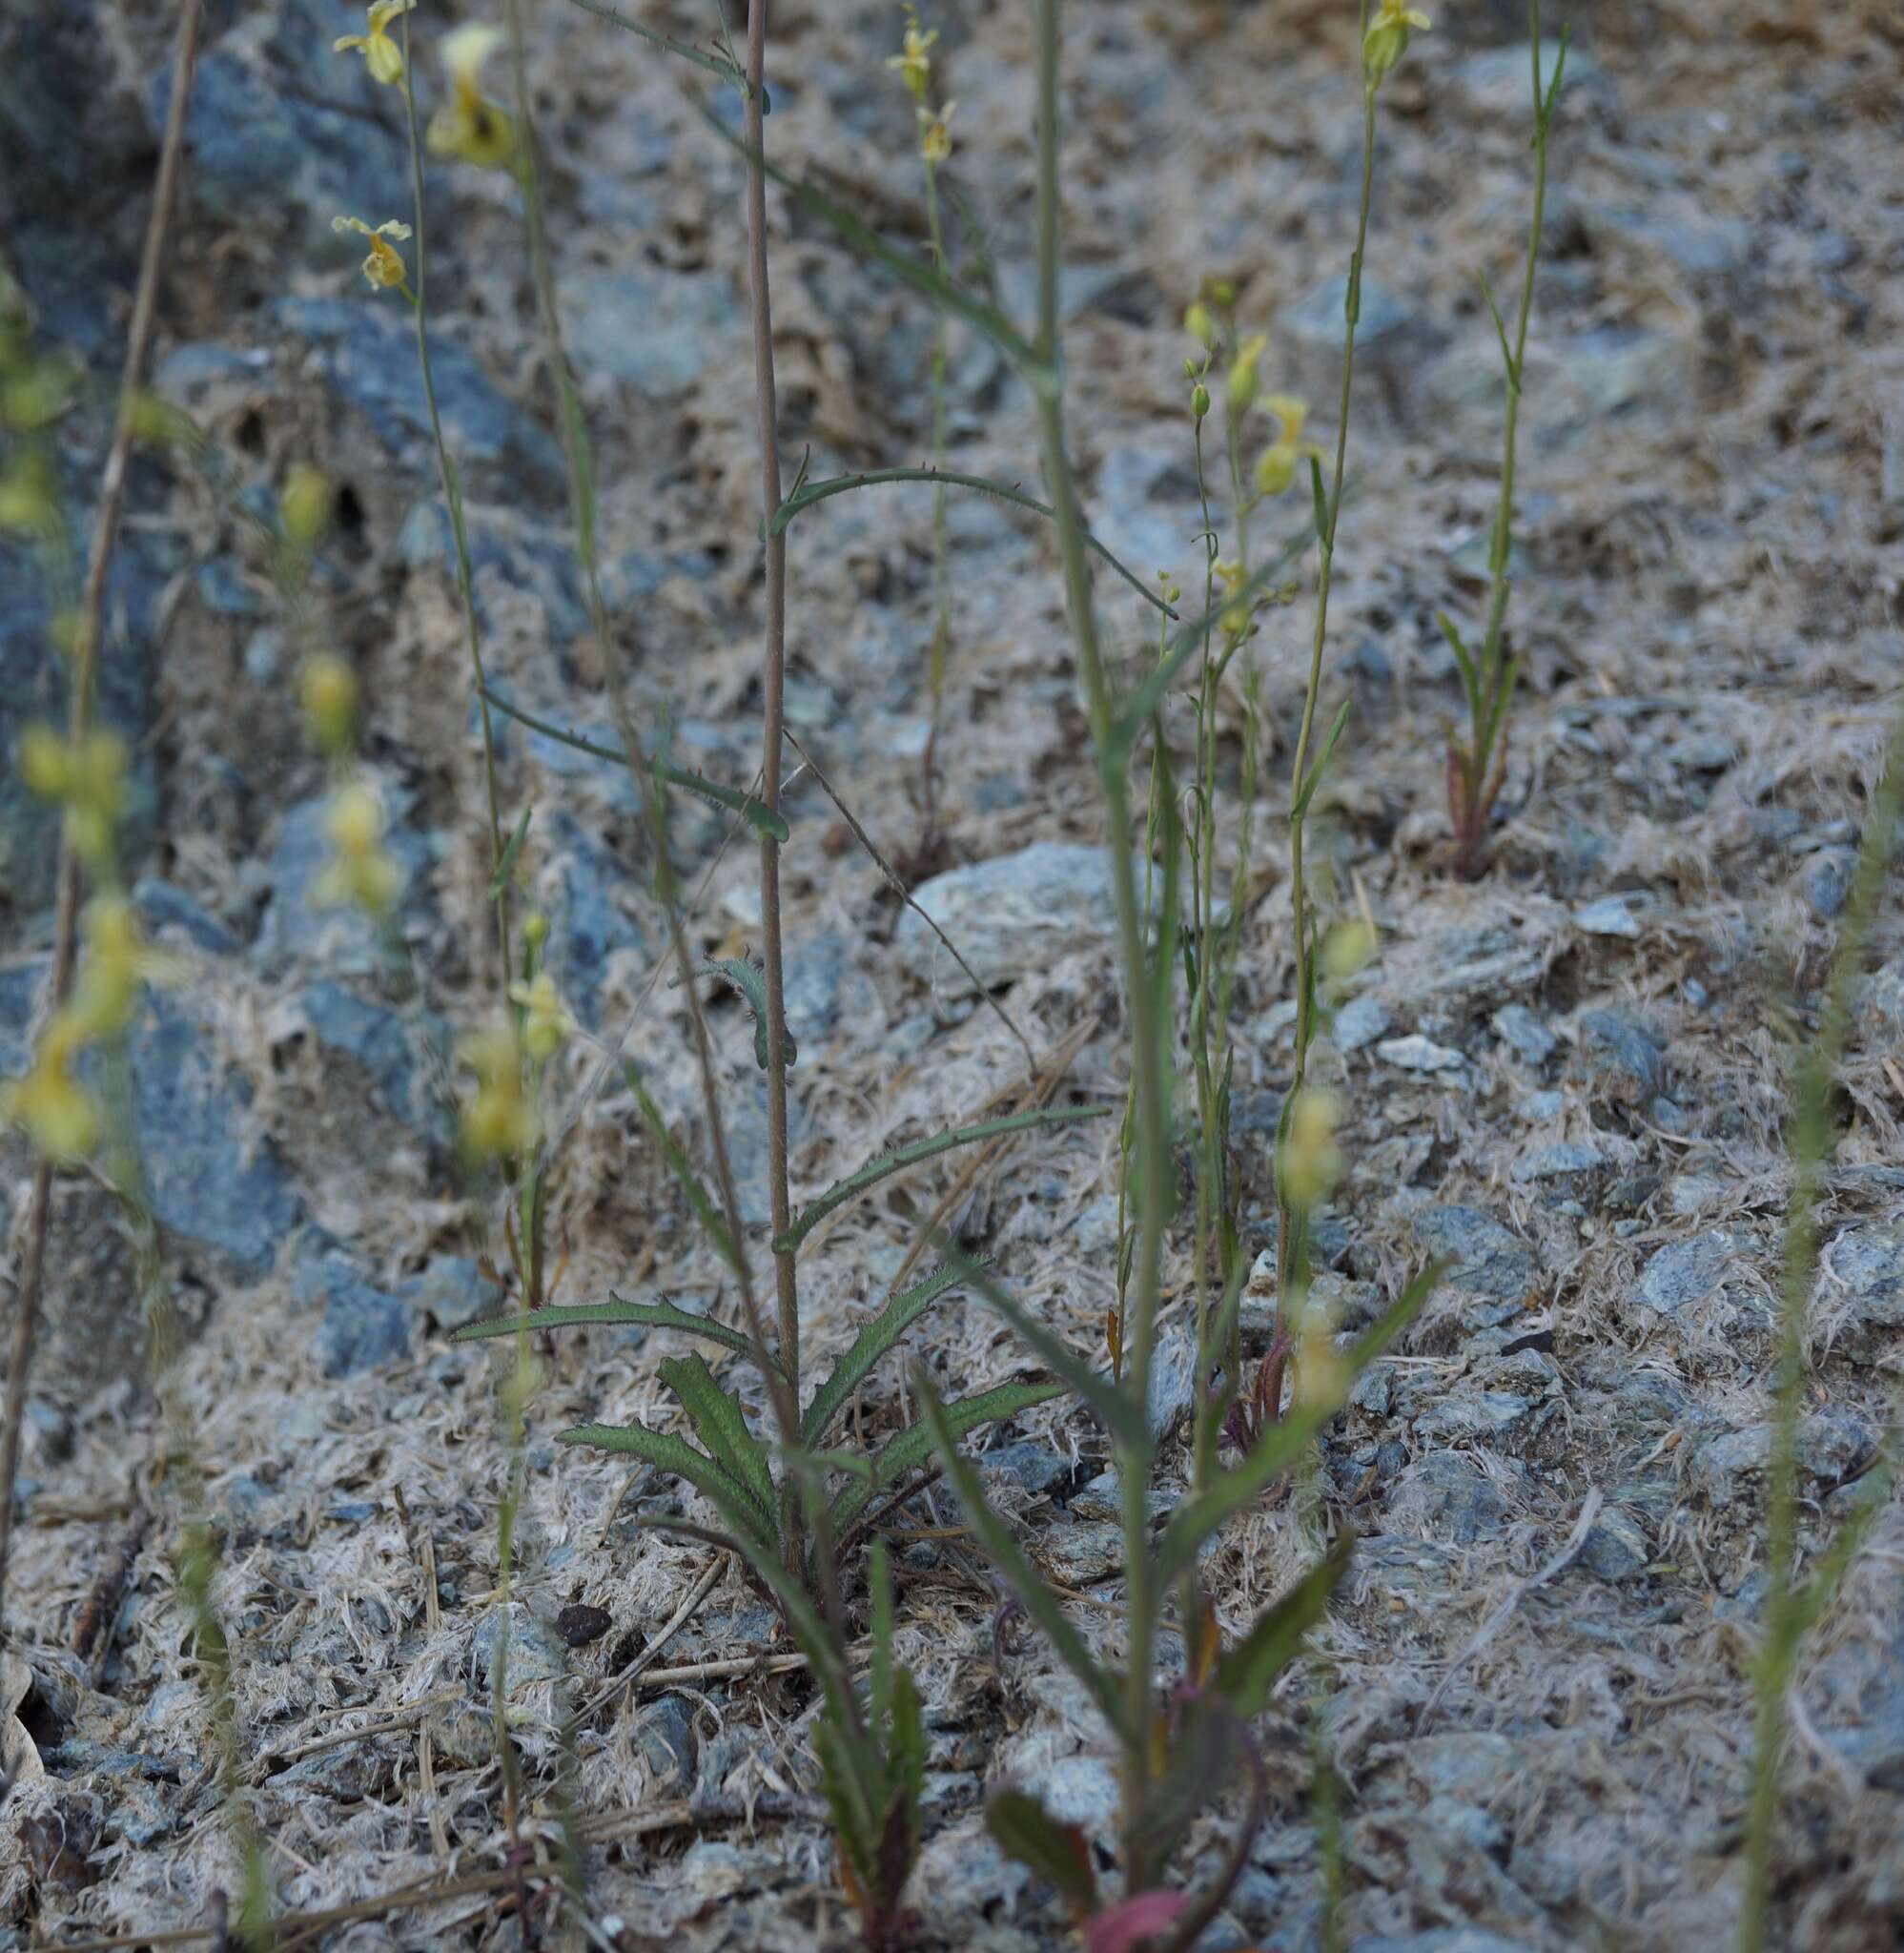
(1483, 1257)
(1009, 915)
(656, 330)
(392, 1050)
(1446, 1496)
(364, 1327)
(1686, 1272)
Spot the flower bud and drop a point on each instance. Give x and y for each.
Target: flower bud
(329, 688)
(305, 507)
(1201, 326)
(1200, 399)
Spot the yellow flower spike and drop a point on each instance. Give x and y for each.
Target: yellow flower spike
(53, 1109)
(1243, 379)
(328, 688)
(385, 267)
(46, 765)
(1311, 1162)
(118, 962)
(359, 873)
(380, 52)
(1321, 1372)
(544, 1022)
(914, 64)
(36, 395)
(499, 1121)
(304, 507)
(28, 503)
(935, 138)
(1387, 40)
(469, 124)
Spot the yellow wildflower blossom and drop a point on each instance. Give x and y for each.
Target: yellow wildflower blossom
(118, 961)
(359, 873)
(304, 504)
(935, 138)
(1244, 372)
(499, 1121)
(329, 689)
(28, 503)
(1311, 1162)
(1276, 469)
(469, 124)
(88, 778)
(914, 65)
(382, 54)
(544, 1022)
(1387, 40)
(385, 267)
(57, 1112)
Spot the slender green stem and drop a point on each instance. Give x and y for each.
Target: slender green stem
(774, 687)
(941, 646)
(1147, 1032)
(453, 502)
(1812, 1133)
(1298, 892)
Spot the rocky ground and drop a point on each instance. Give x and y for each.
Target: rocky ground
(1568, 1080)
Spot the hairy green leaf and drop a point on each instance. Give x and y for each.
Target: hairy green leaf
(1245, 1674)
(1199, 1515)
(912, 1449)
(897, 1315)
(803, 497)
(645, 1315)
(713, 1222)
(722, 1426)
(1058, 1854)
(666, 1452)
(750, 986)
(1019, 1575)
(887, 1165)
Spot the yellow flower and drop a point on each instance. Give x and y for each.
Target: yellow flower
(359, 873)
(382, 54)
(498, 1121)
(1277, 469)
(1387, 40)
(329, 689)
(28, 500)
(1311, 1162)
(1322, 1375)
(935, 138)
(1244, 372)
(544, 1022)
(385, 267)
(304, 504)
(469, 124)
(915, 64)
(89, 779)
(118, 960)
(55, 1110)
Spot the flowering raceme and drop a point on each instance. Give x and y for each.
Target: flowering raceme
(382, 54)
(385, 267)
(469, 124)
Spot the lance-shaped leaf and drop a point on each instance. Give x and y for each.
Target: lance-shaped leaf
(1199, 1515)
(615, 1313)
(512, 848)
(722, 1426)
(879, 1335)
(912, 1449)
(712, 1221)
(676, 1455)
(1207, 1750)
(1019, 1575)
(1322, 758)
(887, 1165)
(748, 984)
(756, 813)
(923, 276)
(806, 495)
(1470, 680)
(1059, 1853)
(1245, 1674)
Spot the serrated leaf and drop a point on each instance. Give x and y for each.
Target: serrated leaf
(713, 64)
(804, 496)
(1314, 779)
(712, 1221)
(1058, 1854)
(1246, 1674)
(1019, 1575)
(749, 984)
(1197, 1517)
(668, 1454)
(722, 1426)
(506, 868)
(912, 1449)
(876, 1338)
(887, 1165)
(615, 1313)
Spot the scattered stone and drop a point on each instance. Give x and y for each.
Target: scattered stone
(1315, 320)
(1524, 1033)
(1497, 80)
(686, 320)
(1036, 1467)
(1831, 1445)
(1566, 1159)
(1536, 1108)
(1359, 1021)
(1615, 1547)
(1861, 1277)
(815, 972)
(1609, 916)
(1623, 1055)
(664, 1736)
(384, 1043)
(536, 1651)
(1079, 1553)
(1082, 1791)
(577, 891)
(1172, 1378)
(1484, 1257)
(165, 908)
(1482, 1416)
(1448, 1497)
(452, 1290)
(364, 1327)
(1827, 881)
(1416, 1052)
(1685, 1272)
(294, 928)
(1014, 913)
(578, 1624)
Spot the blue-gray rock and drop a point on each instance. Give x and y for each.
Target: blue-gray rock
(1315, 320)
(1685, 1272)
(537, 1653)
(664, 1735)
(1446, 1496)
(1037, 1468)
(1615, 1547)
(453, 1290)
(1625, 1057)
(1831, 1445)
(390, 1047)
(364, 1327)
(1827, 881)
(578, 891)
(165, 907)
(1565, 1160)
(367, 353)
(816, 970)
(1442, 1939)
(1359, 1021)
(507, 551)
(207, 1182)
(1861, 1276)
(294, 928)
(656, 330)
(1483, 1257)
(1524, 1033)
(20, 987)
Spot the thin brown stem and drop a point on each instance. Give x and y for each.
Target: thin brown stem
(84, 666)
(773, 687)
